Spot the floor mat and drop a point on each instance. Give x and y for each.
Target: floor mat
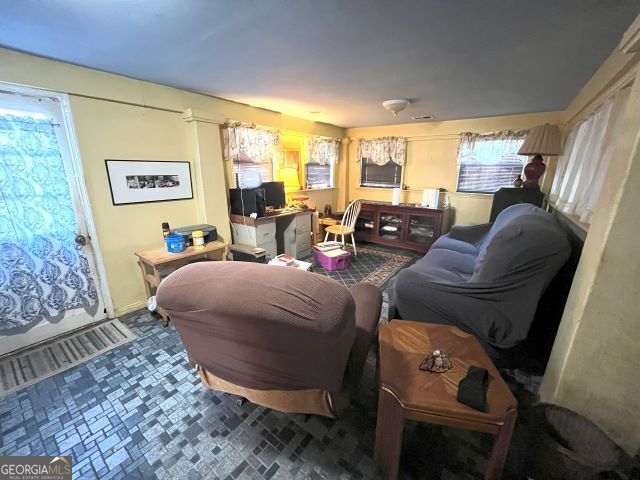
(27, 367)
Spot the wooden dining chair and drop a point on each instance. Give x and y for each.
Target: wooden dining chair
(347, 225)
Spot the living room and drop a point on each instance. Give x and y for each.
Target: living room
(175, 96)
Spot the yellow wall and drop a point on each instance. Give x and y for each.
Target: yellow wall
(432, 160)
(594, 364)
(121, 118)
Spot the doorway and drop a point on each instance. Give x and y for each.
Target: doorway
(51, 273)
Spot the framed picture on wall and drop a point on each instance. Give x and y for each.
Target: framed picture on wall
(144, 181)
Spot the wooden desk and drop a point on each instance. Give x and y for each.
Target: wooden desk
(153, 262)
(287, 232)
(406, 392)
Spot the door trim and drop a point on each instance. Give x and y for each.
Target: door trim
(78, 173)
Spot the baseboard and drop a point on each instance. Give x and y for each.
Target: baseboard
(132, 307)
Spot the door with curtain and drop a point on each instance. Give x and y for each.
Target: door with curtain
(47, 264)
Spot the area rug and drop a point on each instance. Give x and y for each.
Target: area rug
(27, 367)
(376, 265)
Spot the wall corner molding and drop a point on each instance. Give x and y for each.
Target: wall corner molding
(630, 42)
(195, 115)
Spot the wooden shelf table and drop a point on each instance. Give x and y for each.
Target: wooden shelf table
(408, 393)
(152, 263)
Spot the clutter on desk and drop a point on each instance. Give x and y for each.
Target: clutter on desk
(209, 233)
(175, 243)
(165, 229)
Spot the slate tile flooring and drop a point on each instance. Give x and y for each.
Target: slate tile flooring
(138, 411)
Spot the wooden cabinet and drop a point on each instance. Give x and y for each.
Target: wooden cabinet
(404, 226)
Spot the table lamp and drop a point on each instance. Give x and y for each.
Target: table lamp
(541, 140)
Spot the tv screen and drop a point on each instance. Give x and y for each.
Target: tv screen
(274, 194)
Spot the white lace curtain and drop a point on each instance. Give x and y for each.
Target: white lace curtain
(323, 150)
(586, 155)
(490, 148)
(383, 150)
(245, 142)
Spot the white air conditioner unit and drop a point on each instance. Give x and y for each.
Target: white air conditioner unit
(431, 198)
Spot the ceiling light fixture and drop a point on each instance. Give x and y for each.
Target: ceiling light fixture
(396, 105)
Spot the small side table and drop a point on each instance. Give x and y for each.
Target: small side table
(153, 262)
(406, 392)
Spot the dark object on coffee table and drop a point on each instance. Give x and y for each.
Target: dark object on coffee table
(472, 389)
(436, 362)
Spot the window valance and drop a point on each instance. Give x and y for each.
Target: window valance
(323, 150)
(490, 148)
(247, 143)
(383, 150)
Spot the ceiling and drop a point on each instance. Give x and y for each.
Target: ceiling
(340, 59)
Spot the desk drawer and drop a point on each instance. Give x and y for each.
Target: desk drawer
(254, 236)
(303, 224)
(270, 249)
(303, 242)
(266, 232)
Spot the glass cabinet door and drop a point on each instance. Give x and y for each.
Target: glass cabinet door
(364, 223)
(421, 229)
(390, 225)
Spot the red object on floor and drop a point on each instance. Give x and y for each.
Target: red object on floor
(341, 262)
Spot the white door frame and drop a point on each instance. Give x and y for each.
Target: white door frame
(78, 173)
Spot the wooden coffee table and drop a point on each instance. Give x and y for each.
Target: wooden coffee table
(407, 393)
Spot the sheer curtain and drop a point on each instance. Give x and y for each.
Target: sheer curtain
(586, 156)
(42, 271)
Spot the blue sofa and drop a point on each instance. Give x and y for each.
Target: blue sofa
(486, 279)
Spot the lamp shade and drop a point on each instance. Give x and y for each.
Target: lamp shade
(542, 140)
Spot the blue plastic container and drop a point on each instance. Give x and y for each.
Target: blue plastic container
(175, 243)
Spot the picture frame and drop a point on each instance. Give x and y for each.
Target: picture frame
(148, 181)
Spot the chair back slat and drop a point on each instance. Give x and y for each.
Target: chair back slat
(351, 214)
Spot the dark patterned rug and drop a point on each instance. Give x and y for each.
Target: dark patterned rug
(373, 264)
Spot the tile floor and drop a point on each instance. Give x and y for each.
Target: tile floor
(139, 412)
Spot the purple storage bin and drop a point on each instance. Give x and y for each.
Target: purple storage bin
(332, 263)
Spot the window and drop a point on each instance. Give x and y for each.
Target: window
(240, 169)
(488, 162)
(251, 149)
(381, 161)
(381, 176)
(587, 152)
(318, 176)
(323, 155)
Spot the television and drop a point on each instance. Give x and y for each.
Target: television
(274, 194)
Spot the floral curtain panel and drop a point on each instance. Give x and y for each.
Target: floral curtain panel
(244, 142)
(585, 158)
(42, 271)
(490, 148)
(383, 150)
(323, 150)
